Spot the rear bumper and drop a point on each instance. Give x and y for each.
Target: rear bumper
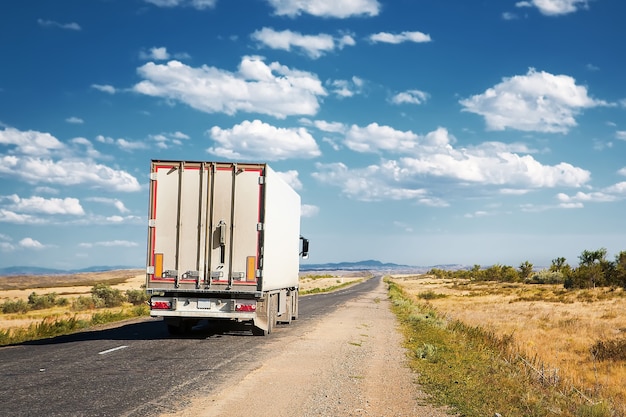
(196, 307)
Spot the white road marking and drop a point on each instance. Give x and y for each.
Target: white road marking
(104, 352)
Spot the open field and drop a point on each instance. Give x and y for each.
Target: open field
(76, 285)
(558, 331)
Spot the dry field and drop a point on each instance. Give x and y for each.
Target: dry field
(553, 328)
(75, 285)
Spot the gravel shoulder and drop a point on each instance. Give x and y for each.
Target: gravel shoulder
(350, 363)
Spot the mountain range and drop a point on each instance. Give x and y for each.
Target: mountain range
(355, 266)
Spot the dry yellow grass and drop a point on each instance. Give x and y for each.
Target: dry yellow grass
(76, 285)
(552, 327)
(67, 286)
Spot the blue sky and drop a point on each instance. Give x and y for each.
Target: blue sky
(419, 132)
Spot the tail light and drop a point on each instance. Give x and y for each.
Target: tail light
(243, 307)
(161, 305)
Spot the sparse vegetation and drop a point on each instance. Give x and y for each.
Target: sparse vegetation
(48, 314)
(480, 371)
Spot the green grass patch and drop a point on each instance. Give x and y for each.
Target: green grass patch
(476, 372)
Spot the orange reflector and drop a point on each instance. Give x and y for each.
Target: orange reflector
(250, 268)
(158, 265)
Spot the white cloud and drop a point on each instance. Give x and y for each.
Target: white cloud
(257, 87)
(105, 88)
(52, 23)
(166, 140)
(6, 247)
(308, 210)
(374, 183)
(196, 4)
(75, 120)
(29, 243)
(326, 8)
(314, 46)
(130, 146)
(384, 37)
(42, 205)
(620, 134)
(346, 88)
(374, 138)
(537, 101)
(555, 7)
(155, 53)
(8, 216)
(291, 178)
(67, 172)
(622, 171)
(258, 140)
(41, 159)
(410, 97)
(30, 142)
(425, 161)
(110, 201)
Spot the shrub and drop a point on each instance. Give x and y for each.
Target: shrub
(83, 303)
(17, 306)
(105, 296)
(136, 297)
(614, 350)
(39, 302)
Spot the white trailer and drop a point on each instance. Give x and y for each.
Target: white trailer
(223, 244)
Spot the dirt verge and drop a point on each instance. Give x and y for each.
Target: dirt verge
(350, 364)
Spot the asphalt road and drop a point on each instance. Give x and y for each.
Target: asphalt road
(137, 369)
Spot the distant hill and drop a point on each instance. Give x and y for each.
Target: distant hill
(377, 266)
(34, 270)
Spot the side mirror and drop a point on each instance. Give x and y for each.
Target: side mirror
(304, 251)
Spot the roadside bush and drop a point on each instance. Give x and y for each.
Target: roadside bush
(604, 350)
(17, 306)
(136, 297)
(105, 296)
(83, 303)
(546, 277)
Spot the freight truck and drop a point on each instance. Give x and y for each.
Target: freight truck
(223, 244)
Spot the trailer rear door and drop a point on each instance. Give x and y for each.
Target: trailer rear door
(206, 222)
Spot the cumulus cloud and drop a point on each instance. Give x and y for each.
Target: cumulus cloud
(30, 142)
(555, 7)
(259, 140)
(30, 243)
(196, 4)
(313, 46)
(395, 38)
(291, 178)
(156, 53)
(615, 192)
(43, 205)
(410, 97)
(423, 161)
(537, 101)
(8, 216)
(326, 8)
(41, 159)
(256, 87)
